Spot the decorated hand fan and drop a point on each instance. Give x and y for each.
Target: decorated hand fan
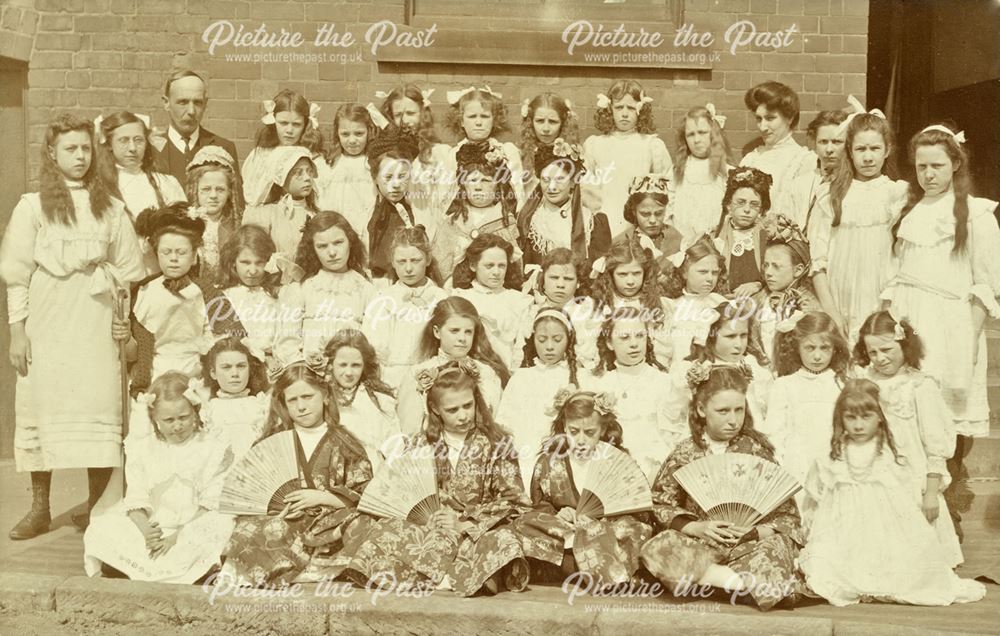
(614, 485)
(736, 487)
(257, 485)
(405, 488)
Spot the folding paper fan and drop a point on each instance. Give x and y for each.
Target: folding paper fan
(405, 488)
(258, 484)
(736, 487)
(613, 485)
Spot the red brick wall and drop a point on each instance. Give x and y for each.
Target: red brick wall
(98, 56)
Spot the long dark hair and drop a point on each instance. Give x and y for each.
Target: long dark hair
(729, 312)
(786, 345)
(371, 375)
(305, 256)
(843, 175)
(580, 406)
(257, 382)
(481, 349)
(287, 101)
(881, 323)
(569, 129)
(606, 356)
(531, 354)
(722, 378)
(426, 137)
(104, 156)
(257, 240)
(54, 195)
(860, 396)
(464, 272)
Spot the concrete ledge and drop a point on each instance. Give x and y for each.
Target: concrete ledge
(21, 592)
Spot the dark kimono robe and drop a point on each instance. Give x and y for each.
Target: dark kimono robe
(608, 548)
(672, 555)
(484, 490)
(266, 550)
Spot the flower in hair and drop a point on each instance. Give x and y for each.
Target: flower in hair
(194, 391)
(788, 324)
(898, 332)
(561, 148)
(426, 378)
(525, 109)
(317, 362)
(495, 154)
(146, 399)
(603, 101)
(559, 400)
(781, 229)
(698, 373)
(604, 402)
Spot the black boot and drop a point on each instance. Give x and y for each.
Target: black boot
(38, 519)
(517, 577)
(97, 481)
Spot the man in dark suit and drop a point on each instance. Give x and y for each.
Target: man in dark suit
(184, 98)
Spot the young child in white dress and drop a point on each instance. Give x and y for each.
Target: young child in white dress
(488, 278)
(891, 352)
(549, 365)
(345, 181)
(868, 541)
(396, 316)
(333, 293)
(700, 172)
(812, 361)
(167, 529)
(626, 148)
(211, 189)
(286, 119)
(850, 234)
(238, 401)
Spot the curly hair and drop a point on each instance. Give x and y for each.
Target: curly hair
(824, 118)
(259, 242)
(531, 353)
(569, 127)
(465, 269)
(703, 247)
(229, 210)
(961, 182)
(730, 312)
(350, 112)
(860, 397)
(481, 350)
(56, 200)
(606, 356)
(744, 177)
(843, 175)
(287, 101)
(638, 198)
(719, 151)
(582, 406)
(257, 381)
(881, 323)
(603, 290)
(721, 378)
(776, 97)
(565, 256)
(170, 386)
(425, 129)
(416, 236)
(488, 101)
(604, 119)
(786, 345)
(305, 256)
(371, 375)
(470, 160)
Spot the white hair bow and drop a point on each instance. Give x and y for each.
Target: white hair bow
(646, 242)
(377, 117)
(644, 99)
(268, 117)
(314, 109)
(958, 136)
(603, 101)
(677, 259)
(272, 266)
(194, 390)
(426, 94)
(705, 326)
(525, 108)
(719, 119)
(788, 324)
(857, 108)
(454, 96)
(381, 95)
(254, 350)
(598, 267)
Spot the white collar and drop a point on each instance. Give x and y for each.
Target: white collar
(178, 141)
(483, 289)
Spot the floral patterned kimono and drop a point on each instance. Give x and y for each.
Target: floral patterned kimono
(671, 555)
(483, 489)
(267, 550)
(607, 548)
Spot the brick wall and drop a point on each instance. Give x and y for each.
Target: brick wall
(98, 56)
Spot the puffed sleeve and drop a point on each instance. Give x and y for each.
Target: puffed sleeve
(171, 189)
(291, 305)
(937, 429)
(984, 241)
(17, 257)
(820, 227)
(137, 495)
(661, 161)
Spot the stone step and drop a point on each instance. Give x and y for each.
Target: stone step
(978, 502)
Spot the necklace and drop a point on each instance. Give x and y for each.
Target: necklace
(346, 398)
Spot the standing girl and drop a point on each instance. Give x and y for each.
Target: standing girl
(867, 539)
(741, 230)
(333, 293)
(607, 549)
(850, 234)
(285, 119)
(345, 182)
(211, 184)
(626, 148)
(167, 529)
(366, 404)
(811, 360)
(62, 253)
(545, 118)
(488, 279)
(700, 172)
(917, 414)
(454, 332)
(238, 400)
(274, 549)
(693, 548)
(549, 364)
(290, 202)
(396, 316)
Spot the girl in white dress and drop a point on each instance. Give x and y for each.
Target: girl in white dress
(332, 294)
(628, 369)
(167, 529)
(238, 400)
(867, 540)
(454, 332)
(626, 148)
(211, 184)
(286, 118)
(947, 244)
(367, 405)
(850, 234)
(287, 206)
(397, 314)
(776, 110)
(917, 414)
(700, 172)
(549, 365)
(487, 278)
(811, 360)
(345, 182)
(63, 249)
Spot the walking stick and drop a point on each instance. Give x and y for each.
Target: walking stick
(122, 310)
